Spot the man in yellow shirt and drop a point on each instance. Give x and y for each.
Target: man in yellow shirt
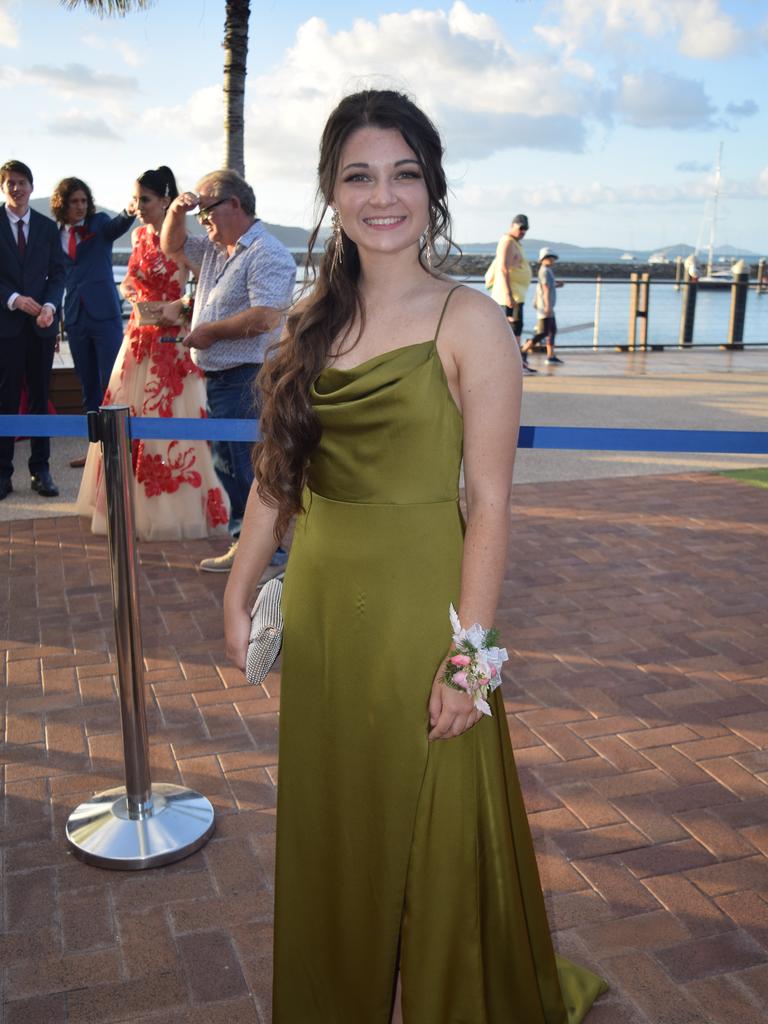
(511, 277)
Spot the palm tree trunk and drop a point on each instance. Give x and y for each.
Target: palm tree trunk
(235, 59)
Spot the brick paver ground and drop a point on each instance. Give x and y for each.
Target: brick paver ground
(635, 611)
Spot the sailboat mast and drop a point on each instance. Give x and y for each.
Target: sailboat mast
(711, 247)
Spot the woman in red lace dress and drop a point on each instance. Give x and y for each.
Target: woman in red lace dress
(176, 490)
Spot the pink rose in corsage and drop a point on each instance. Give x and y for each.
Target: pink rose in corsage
(474, 663)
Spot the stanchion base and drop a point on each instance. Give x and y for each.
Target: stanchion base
(101, 832)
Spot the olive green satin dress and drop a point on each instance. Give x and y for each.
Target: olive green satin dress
(392, 850)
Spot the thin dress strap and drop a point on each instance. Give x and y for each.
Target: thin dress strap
(445, 306)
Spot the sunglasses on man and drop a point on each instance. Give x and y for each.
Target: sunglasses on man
(205, 215)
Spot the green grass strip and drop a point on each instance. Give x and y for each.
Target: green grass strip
(756, 477)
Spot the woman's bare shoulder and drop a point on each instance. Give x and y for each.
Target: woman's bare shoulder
(473, 325)
(469, 305)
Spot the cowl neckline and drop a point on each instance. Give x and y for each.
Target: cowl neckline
(378, 371)
(376, 359)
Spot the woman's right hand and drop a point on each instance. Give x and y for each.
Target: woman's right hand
(237, 632)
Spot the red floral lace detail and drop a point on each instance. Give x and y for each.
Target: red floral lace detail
(154, 275)
(156, 279)
(169, 368)
(165, 475)
(215, 508)
(140, 340)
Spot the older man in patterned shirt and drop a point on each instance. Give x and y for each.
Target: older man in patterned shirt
(245, 284)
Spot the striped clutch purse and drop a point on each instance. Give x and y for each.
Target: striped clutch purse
(266, 632)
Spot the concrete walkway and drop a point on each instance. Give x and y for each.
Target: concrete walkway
(634, 610)
(695, 390)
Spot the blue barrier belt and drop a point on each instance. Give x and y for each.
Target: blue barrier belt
(611, 439)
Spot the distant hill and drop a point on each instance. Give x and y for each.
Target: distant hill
(531, 248)
(602, 254)
(296, 238)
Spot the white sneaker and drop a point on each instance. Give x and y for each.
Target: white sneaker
(221, 564)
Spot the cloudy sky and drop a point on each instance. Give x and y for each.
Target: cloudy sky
(599, 118)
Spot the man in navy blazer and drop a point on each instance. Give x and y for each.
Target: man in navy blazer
(32, 276)
(92, 307)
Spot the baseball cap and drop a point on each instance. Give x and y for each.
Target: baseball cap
(546, 251)
(521, 219)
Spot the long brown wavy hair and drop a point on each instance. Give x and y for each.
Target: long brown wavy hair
(64, 192)
(289, 425)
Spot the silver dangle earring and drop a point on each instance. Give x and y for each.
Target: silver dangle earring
(426, 247)
(338, 241)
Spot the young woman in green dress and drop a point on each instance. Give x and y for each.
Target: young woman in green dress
(406, 885)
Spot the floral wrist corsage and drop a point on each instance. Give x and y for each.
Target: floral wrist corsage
(186, 309)
(474, 663)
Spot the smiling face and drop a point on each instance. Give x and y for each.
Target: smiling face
(77, 207)
(380, 192)
(219, 217)
(17, 188)
(150, 206)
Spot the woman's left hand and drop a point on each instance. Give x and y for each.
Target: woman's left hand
(237, 631)
(450, 712)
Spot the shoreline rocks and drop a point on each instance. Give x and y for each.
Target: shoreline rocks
(472, 265)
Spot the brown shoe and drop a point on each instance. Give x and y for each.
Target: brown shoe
(77, 463)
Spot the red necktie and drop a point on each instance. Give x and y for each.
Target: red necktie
(22, 239)
(72, 245)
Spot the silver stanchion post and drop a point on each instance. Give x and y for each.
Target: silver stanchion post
(139, 825)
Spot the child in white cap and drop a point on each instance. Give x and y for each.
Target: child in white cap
(544, 303)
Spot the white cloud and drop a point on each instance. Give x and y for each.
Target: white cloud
(9, 33)
(130, 54)
(76, 124)
(707, 32)
(747, 108)
(9, 77)
(76, 79)
(483, 94)
(200, 119)
(551, 194)
(700, 28)
(658, 99)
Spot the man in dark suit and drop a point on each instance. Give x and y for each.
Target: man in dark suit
(92, 307)
(32, 276)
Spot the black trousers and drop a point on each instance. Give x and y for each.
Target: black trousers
(514, 315)
(546, 329)
(28, 357)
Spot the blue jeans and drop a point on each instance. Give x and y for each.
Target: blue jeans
(232, 394)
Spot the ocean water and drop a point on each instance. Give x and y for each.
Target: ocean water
(576, 315)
